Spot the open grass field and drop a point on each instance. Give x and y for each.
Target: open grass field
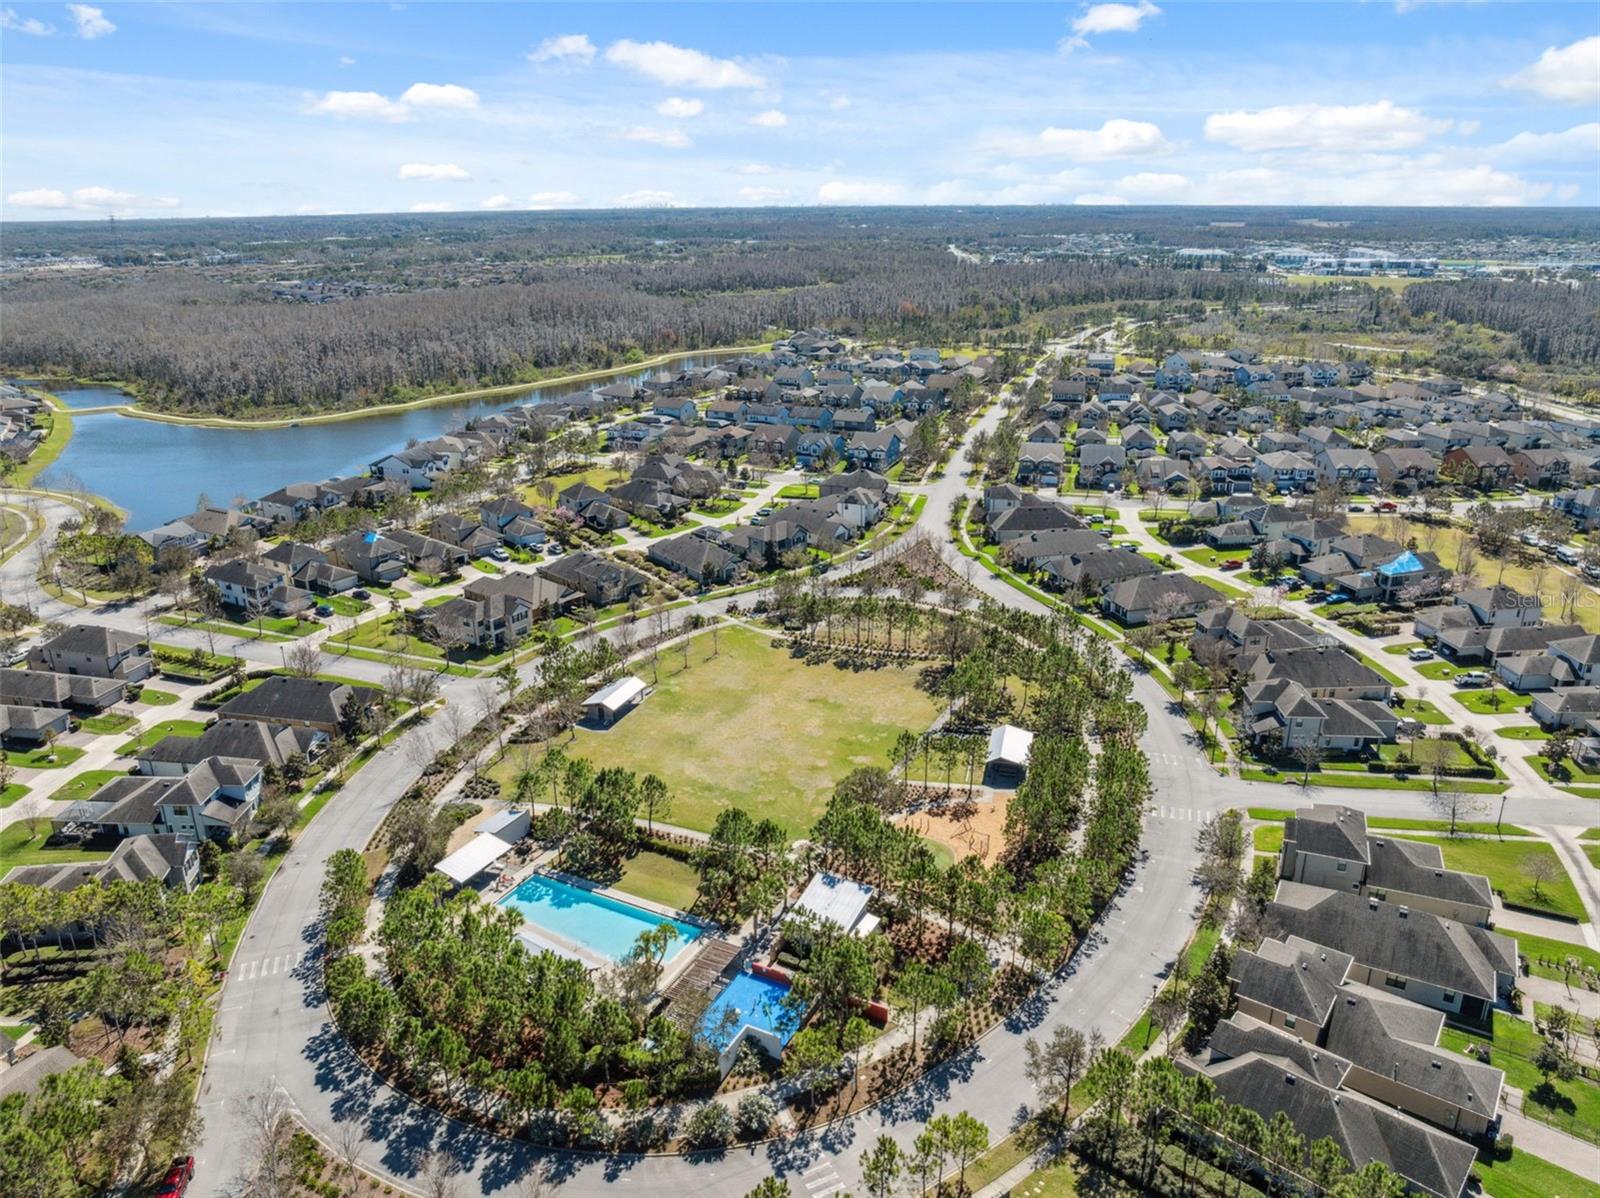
(157, 698)
(659, 878)
(755, 728)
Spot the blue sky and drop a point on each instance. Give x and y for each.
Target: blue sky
(187, 109)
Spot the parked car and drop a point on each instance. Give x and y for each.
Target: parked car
(1232, 563)
(1420, 653)
(324, 610)
(1567, 555)
(1473, 678)
(554, 551)
(499, 554)
(1336, 598)
(1388, 505)
(863, 554)
(362, 594)
(1358, 507)
(1592, 573)
(177, 1179)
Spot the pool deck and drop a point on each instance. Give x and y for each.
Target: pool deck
(537, 937)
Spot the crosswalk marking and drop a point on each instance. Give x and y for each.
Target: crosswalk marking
(822, 1179)
(265, 967)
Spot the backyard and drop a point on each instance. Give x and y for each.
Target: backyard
(1513, 1045)
(753, 727)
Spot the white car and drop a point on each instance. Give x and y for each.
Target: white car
(1420, 654)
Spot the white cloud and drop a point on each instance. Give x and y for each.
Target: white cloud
(39, 197)
(1107, 18)
(1378, 126)
(90, 21)
(845, 191)
(755, 168)
(433, 206)
(1098, 199)
(672, 139)
(644, 199)
(357, 106)
(435, 172)
(439, 95)
(372, 106)
(564, 47)
(763, 195)
(1566, 73)
(1579, 143)
(87, 199)
(678, 66)
(346, 61)
(32, 26)
(1150, 185)
(839, 103)
(495, 201)
(1117, 138)
(1430, 180)
(680, 108)
(552, 199)
(770, 119)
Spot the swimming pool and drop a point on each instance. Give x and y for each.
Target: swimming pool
(754, 1001)
(603, 925)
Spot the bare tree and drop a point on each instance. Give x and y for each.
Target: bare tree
(270, 1172)
(1541, 869)
(438, 1174)
(1455, 806)
(350, 1142)
(303, 660)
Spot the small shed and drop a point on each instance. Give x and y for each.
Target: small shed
(1009, 747)
(614, 700)
(510, 825)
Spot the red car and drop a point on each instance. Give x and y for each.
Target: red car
(1233, 563)
(177, 1179)
(1388, 506)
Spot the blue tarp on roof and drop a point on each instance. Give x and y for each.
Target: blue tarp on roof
(1406, 563)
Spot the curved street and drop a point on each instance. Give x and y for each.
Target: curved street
(273, 1029)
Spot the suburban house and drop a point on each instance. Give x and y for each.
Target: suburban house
(1040, 463)
(375, 558)
(1582, 505)
(268, 745)
(82, 693)
(1484, 466)
(300, 703)
(96, 651)
(1454, 967)
(1329, 846)
(697, 556)
(308, 568)
(169, 859)
(544, 596)
(598, 579)
(212, 801)
(253, 589)
(1286, 710)
(1156, 596)
(491, 624)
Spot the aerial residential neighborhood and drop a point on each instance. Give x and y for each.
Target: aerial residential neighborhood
(965, 602)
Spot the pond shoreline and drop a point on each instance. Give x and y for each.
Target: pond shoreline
(135, 412)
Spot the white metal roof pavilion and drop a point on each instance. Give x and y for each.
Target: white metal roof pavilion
(1009, 746)
(828, 897)
(472, 858)
(615, 697)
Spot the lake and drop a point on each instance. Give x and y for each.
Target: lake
(155, 472)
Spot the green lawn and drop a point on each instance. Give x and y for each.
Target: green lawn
(84, 785)
(1436, 670)
(1334, 780)
(755, 728)
(1423, 711)
(108, 722)
(1387, 674)
(1403, 648)
(344, 605)
(1572, 772)
(11, 794)
(1502, 862)
(1522, 732)
(45, 757)
(157, 731)
(18, 848)
(1542, 948)
(1492, 700)
(1513, 1044)
(157, 698)
(1516, 1174)
(1269, 839)
(387, 634)
(659, 878)
(1280, 814)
